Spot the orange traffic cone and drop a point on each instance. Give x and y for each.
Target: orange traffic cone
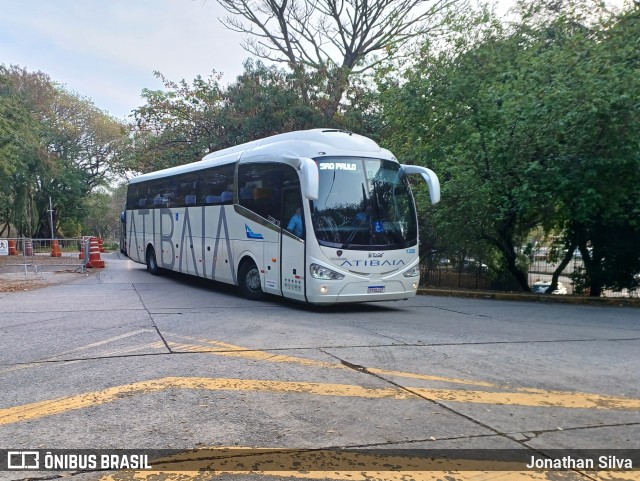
(55, 249)
(12, 248)
(28, 248)
(100, 244)
(94, 254)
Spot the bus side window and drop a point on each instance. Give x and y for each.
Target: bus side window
(261, 187)
(245, 193)
(132, 197)
(186, 190)
(260, 193)
(213, 185)
(227, 197)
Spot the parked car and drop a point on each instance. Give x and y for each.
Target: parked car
(540, 287)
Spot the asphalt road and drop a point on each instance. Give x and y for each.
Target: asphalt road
(123, 359)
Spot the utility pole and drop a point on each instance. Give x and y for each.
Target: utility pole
(50, 211)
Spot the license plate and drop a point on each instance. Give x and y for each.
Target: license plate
(375, 289)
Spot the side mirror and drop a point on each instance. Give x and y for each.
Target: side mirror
(429, 177)
(310, 181)
(123, 217)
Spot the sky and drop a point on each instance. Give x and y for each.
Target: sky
(107, 50)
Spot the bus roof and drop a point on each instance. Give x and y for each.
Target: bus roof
(287, 147)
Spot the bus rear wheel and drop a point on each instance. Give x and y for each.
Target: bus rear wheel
(152, 262)
(249, 281)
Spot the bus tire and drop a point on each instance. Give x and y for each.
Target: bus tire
(249, 281)
(152, 262)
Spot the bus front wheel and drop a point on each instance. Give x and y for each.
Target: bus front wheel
(152, 263)
(249, 281)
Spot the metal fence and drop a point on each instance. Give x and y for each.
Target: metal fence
(472, 274)
(43, 254)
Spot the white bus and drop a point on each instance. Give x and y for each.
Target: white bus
(319, 216)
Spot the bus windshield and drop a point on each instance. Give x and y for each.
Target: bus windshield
(363, 204)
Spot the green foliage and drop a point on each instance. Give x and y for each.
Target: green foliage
(103, 209)
(17, 141)
(530, 125)
(99, 218)
(601, 167)
(186, 121)
(53, 143)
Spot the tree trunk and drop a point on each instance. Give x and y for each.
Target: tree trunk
(570, 246)
(593, 270)
(595, 289)
(506, 246)
(337, 87)
(518, 274)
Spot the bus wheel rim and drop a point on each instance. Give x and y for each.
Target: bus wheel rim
(253, 279)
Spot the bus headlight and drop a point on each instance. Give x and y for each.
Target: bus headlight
(324, 273)
(413, 272)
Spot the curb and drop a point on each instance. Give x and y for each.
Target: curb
(527, 297)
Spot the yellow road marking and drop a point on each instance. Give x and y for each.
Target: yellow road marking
(58, 406)
(426, 377)
(557, 399)
(520, 396)
(344, 475)
(340, 465)
(376, 468)
(225, 349)
(550, 399)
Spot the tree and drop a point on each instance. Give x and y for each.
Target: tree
(66, 149)
(530, 125)
(103, 212)
(186, 121)
(599, 168)
(326, 42)
(18, 138)
(464, 110)
(84, 135)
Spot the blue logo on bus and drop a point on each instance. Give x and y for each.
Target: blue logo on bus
(251, 234)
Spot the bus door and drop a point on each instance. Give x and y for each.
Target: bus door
(292, 247)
